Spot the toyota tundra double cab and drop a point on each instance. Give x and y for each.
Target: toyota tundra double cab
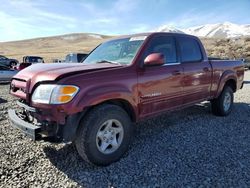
(96, 104)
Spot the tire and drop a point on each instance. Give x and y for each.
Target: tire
(94, 128)
(222, 106)
(12, 64)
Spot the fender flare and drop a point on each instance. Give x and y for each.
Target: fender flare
(227, 75)
(95, 97)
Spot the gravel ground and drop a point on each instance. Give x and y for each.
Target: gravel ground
(190, 147)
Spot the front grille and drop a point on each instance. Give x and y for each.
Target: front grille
(19, 88)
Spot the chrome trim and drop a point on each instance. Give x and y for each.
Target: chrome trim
(178, 63)
(151, 95)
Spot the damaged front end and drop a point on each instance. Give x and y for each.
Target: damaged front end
(47, 121)
(24, 119)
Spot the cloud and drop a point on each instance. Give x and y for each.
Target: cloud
(12, 27)
(138, 28)
(16, 28)
(28, 19)
(35, 9)
(49, 15)
(109, 17)
(125, 5)
(195, 17)
(105, 21)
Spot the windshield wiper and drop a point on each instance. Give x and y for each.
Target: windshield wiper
(110, 62)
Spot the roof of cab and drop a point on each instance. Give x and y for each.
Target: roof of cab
(150, 34)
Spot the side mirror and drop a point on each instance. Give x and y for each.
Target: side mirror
(154, 59)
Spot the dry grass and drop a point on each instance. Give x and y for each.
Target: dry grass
(228, 48)
(51, 47)
(59, 46)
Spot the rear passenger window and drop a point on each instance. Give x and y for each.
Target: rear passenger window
(190, 49)
(164, 45)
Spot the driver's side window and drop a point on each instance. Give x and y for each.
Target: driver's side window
(166, 46)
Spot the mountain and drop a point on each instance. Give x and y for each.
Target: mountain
(54, 47)
(168, 29)
(220, 30)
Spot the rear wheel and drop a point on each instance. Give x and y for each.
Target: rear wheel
(104, 135)
(222, 106)
(12, 64)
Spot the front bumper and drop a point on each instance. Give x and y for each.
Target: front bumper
(29, 129)
(42, 129)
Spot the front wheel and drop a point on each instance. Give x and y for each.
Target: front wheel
(222, 106)
(104, 135)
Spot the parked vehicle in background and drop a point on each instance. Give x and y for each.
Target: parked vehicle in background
(57, 61)
(8, 62)
(29, 60)
(6, 73)
(246, 63)
(33, 59)
(95, 104)
(75, 57)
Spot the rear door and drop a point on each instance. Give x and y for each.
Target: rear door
(160, 86)
(197, 75)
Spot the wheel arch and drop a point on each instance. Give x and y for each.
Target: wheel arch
(231, 83)
(124, 104)
(228, 78)
(69, 131)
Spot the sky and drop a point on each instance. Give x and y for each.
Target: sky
(24, 19)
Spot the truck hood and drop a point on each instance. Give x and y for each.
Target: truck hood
(24, 81)
(48, 72)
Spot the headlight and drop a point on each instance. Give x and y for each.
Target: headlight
(54, 94)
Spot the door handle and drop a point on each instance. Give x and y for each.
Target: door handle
(176, 72)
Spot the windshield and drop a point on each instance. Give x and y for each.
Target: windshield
(2, 57)
(31, 59)
(120, 51)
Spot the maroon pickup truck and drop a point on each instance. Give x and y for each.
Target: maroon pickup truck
(96, 104)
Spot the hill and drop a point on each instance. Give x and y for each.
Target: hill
(52, 47)
(233, 48)
(59, 46)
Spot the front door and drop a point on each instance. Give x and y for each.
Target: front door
(159, 87)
